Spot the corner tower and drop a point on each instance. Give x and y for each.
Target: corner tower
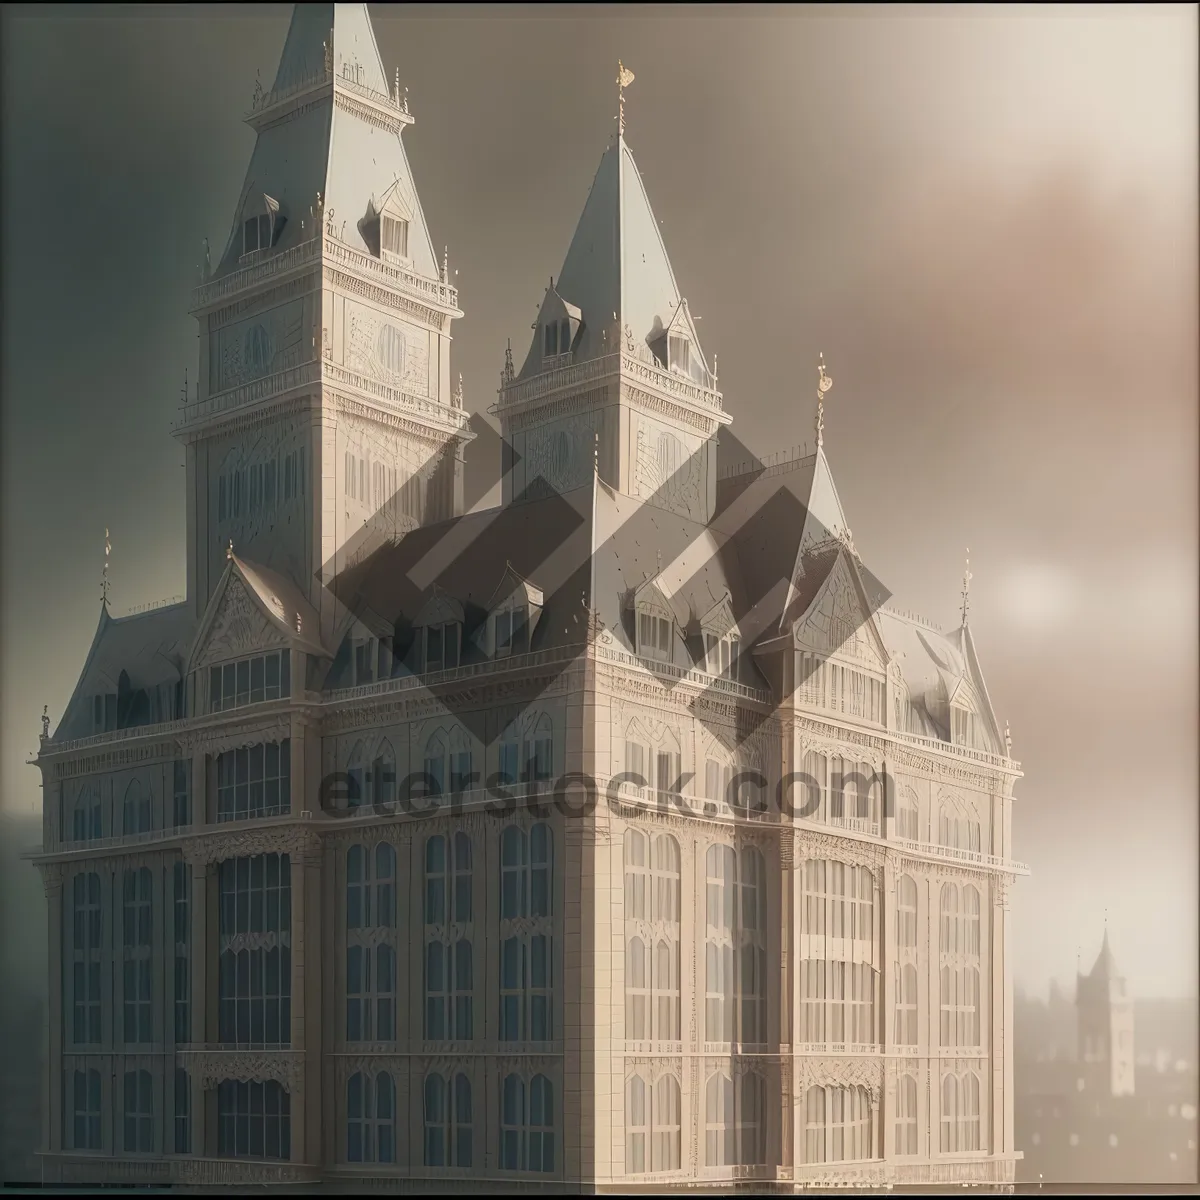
(615, 367)
(323, 414)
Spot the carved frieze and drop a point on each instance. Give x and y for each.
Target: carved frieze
(208, 848)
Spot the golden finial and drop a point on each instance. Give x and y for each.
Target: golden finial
(824, 383)
(229, 551)
(966, 588)
(624, 79)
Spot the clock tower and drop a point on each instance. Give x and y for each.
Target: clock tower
(323, 420)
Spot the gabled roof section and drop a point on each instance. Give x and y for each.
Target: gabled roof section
(324, 149)
(825, 513)
(514, 584)
(252, 608)
(965, 644)
(616, 270)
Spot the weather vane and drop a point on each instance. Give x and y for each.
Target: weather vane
(966, 588)
(824, 383)
(624, 79)
(107, 552)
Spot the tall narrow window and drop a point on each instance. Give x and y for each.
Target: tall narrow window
(181, 888)
(527, 1124)
(183, 1112)
(906, 912)
(370, 943)
(139, 1113)
(906, 1005)
(86, 1109)
(254, 782)
(371, 1118)
(135, 809)
(181, 807)
(448, 953)
(136, 980)
(906, 1115)
(652, 1118)
(971, 919)
(949, 1142)
(720, 1129)
(969, 1113)
(394, 236)
(86, 950)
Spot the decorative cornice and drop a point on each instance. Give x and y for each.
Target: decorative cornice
(209, 847)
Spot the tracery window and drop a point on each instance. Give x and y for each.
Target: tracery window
(960, 1024)
(447, 1121)
(735, 946)
(906, 1005)
(370, 1118)
(906, 913)
(86, 1110)
(135, 809)
(652, 883)
(181, 888)
(86, 817)
(448, 763)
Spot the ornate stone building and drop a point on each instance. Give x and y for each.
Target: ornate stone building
(641, 968)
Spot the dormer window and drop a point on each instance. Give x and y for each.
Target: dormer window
(556, 338)
(393, 236)
(442, 646)
(963, 727)
(654, 635)
(721, 654)
(262, 232)
(512, 631)
(679, 351)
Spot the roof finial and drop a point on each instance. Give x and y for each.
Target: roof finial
(596, 453)
(716, 377)
(446, 265)
(509, 369)
(1007, 739)
(45, 722)
(966, 588)
(624, 79)
(457, 401)
(824, 383)
(397, 95)
(229, 551)
(107, 552)
(299, 624)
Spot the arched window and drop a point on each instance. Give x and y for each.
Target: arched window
(370, 1118)
(135, 809)
(906, 1115)
(971, 919)
(838, 1125)
(949, 1142)
(86, 814)
(435, 764)
(969, 1007)
(527, 1124)
(637, 876)
(637, 1122)
(447, 1121)
(665, 1125)
(183, 1110)
(371, 887)
(908, 819)
(720, 1128)
(906, 913)
(637, 989)
(139, 1113)
(86, 1110)
(948, 978)
(968, 1120)
(906, 1006)
(815, 806)
(948, 941)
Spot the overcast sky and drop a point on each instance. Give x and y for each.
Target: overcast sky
(985, 218)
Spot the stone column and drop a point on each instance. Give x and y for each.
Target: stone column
(52, 881)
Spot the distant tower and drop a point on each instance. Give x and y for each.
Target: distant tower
(1106, 1024)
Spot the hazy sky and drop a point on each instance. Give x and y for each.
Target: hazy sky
(986, 219)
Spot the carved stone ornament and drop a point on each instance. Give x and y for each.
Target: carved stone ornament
(239, 628)
(283, 1066)
(841, 1072)
(246, 843)
(213, 741)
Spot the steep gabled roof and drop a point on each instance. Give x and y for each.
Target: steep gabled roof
(616, 271)
(348, 160)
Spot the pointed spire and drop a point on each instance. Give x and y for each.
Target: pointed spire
(624, 79)
(104, 583)
(509, 372)
(229, 551)
(824, 383)
(966, 588)
(446, 265)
